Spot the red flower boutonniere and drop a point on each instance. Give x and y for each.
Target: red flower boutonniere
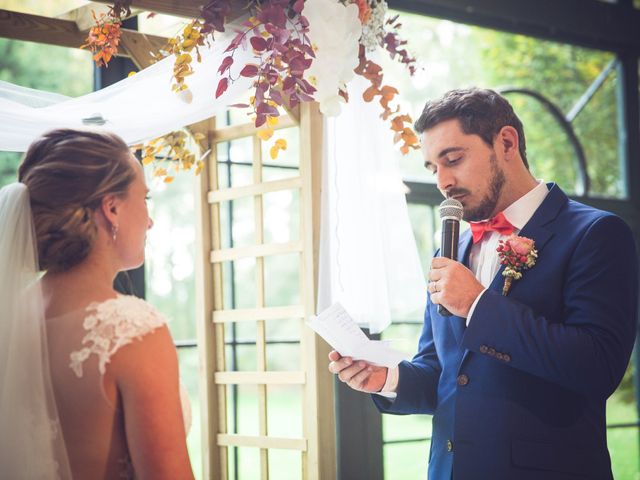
(517, 254)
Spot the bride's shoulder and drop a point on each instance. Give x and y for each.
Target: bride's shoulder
(123, 309)
(113, 323)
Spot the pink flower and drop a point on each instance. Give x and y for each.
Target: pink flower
(521, 245)
(516, 254)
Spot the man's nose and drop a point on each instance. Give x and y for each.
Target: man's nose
(444, 179)
(150, 223)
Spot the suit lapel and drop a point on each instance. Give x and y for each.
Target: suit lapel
(537, 229)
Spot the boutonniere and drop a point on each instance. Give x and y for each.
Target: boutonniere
(517, 254)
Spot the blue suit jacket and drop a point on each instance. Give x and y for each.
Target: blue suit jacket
(520, 393)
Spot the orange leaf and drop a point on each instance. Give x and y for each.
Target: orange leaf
(388, 92)
(369, 93)
(265, 134)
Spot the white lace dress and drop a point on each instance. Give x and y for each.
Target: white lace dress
(112, 324)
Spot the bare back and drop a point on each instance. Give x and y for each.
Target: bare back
(87, 347)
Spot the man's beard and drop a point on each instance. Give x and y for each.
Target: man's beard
(488, 203)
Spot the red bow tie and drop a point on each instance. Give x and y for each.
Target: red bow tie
(499, 224)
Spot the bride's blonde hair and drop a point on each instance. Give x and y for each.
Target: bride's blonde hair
(68, 173)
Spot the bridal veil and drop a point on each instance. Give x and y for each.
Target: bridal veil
(31, 441)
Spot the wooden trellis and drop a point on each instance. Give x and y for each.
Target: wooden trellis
(317, 444)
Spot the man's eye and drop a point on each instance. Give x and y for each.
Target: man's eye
(451, 161)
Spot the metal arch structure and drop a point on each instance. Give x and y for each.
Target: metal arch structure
(583, 182)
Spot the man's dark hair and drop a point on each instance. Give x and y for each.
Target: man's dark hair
(480, 112)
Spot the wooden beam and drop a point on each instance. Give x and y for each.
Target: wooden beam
(589, 23)
(139, 47)
(262, 441)
(182, 8)
(84, 16)
(34, 28)
(65, 33)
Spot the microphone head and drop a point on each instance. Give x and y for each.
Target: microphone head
(451, 208)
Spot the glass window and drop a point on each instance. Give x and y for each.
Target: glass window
(452, 55)
(29, 65)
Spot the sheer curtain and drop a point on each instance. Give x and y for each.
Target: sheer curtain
(368, 256)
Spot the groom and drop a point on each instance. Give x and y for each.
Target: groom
(516, 384)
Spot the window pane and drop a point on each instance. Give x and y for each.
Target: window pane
(623, 442)
(455, 56)
(189, 372)
(170, 264)
(281, 216)
(29, 65)
(289, 157)
(283, 285)
(406, 460)
(285, 465)
(284, 407)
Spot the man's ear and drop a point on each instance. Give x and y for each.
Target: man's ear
(110, 208)
(508, 141)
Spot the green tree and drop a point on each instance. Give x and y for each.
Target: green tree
(43, 67)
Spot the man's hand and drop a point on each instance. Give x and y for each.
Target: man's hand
(453, 286)
(359, 375)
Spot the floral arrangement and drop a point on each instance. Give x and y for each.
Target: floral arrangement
(170, 154)
(303, 51)
(104, 36)
(517, 254)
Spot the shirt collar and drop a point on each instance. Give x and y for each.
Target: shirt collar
(521, 211)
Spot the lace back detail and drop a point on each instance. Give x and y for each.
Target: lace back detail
(111, 325)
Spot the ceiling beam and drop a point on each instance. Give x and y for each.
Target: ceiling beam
(65, 33)
(84, 16)
(182, 8)
(588, 23)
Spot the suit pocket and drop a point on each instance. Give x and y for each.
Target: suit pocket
(552, 457)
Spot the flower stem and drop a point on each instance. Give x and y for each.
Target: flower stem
(507, 285)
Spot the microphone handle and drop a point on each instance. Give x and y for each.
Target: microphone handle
(449, 248)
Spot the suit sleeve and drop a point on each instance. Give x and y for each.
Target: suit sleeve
(589, 349)
(417, 390)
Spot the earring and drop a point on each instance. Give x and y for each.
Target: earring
(114, 232)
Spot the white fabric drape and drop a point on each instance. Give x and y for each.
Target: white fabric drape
(136, 108)
(368, 256)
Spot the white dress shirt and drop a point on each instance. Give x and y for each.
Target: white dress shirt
(483, 258)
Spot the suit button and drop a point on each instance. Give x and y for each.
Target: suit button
(449, 446)
(499, 356)
(506, 357)
(492, 352)
(462, 379)
(484, 349)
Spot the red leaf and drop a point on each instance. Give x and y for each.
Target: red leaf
(298, 6)
(260, 120)
(222, 87)
(226, 63)
(258, 43)
(249, 71)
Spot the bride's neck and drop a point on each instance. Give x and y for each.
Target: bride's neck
(91, 280)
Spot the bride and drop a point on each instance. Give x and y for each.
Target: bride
(89, 377)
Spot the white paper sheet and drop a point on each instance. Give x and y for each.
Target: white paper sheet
(340, 331)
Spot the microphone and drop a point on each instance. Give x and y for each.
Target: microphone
(450, 214)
